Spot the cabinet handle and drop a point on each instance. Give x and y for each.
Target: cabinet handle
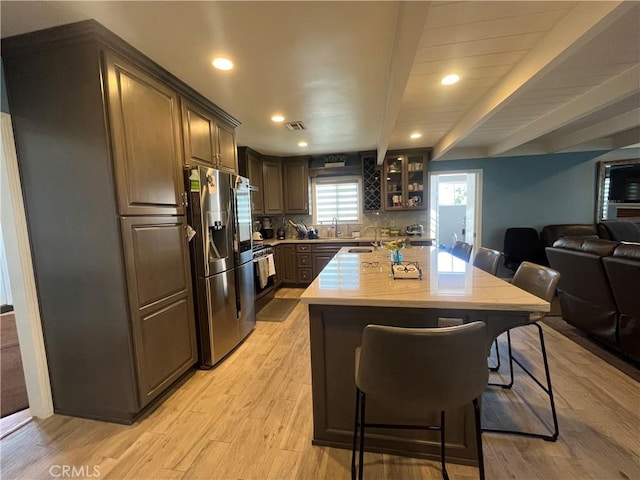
(185, 199)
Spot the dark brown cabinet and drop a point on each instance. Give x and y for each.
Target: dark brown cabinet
(207, 141)
(227, 150)
(272, 186)
(157, 261)
(295, 176)
(300, 263)
(99, 142)
(303, 263)
(146, 141)
(405, 185)
(286, 263)
(254, 173)
(323, 253)
(250, 165)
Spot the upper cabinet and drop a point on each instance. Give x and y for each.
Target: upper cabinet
(145, 139)
(405, 185)
(207, 141)
(296, 185)
(272, 186)
(265, 176)
(254, 172)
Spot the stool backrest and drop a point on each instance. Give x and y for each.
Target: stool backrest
(537, 280)
(423, 369)
(462, 250)
(487, 259)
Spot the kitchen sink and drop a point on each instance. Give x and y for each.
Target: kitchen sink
(360, 250)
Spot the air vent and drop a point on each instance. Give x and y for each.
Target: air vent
(295, 126)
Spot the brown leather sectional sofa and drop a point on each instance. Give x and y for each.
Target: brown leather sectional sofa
(599, 289)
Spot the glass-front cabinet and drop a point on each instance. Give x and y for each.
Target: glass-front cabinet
(405, 181)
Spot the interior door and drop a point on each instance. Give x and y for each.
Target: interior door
(456, 207)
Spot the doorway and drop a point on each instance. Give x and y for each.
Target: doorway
(456, 207)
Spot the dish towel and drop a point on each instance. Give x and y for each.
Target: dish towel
(272, 265)
(263, 271)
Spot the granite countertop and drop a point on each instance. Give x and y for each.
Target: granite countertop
(275, 241)
(364, 279)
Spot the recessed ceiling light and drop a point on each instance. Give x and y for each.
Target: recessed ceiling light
(222, 63)
(415, 135)
(303, 144)
(277, 118)
(450, 79)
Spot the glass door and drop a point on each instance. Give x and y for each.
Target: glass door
(415, 181)
(394, 182)
(405, 184)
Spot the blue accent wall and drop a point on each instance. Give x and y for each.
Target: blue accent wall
(532, 191)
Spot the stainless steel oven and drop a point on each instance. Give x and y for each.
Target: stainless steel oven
(264, 270)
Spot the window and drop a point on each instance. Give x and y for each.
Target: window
(452, 194)
(338, 197)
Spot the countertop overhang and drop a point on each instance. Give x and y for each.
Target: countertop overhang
(364, 279)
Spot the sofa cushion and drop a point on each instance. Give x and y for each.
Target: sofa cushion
(629, 250)
(623, 270)
(597, 246)
(604, 248)
(551, 233)
(585, 294)
(571, 243)
(620, 229)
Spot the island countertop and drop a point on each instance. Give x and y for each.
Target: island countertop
(447, 282)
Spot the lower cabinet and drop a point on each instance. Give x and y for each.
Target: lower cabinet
(323, 253)
(163, 326)
(301, 263)
(286, 263)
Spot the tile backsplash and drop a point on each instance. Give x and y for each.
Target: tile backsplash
(377, 220)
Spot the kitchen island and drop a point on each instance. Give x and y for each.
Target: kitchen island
(356, 289)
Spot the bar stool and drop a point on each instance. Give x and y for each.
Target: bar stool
(462, 250)
(541, 282)
(420, 370)
(488, 260)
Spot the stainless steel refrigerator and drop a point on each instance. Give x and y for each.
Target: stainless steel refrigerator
(222, 261)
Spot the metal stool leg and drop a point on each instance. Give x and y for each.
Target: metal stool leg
(497, 366)
(362, 417)
(510, 384)
(445, 475)
(355, 435)
(476, 412)
(547, 389)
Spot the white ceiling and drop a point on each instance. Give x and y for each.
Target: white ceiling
(537, 76)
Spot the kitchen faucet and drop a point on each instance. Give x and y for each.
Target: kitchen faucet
(375, 235)
(334, 225)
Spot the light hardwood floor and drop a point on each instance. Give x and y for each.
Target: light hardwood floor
(251, 418)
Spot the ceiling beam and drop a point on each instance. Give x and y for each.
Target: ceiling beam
(628, 138)
(605, 128)
(614, 90)
(580, 25)
(410, 22)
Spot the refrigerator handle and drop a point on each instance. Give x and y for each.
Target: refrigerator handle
(236, 248)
